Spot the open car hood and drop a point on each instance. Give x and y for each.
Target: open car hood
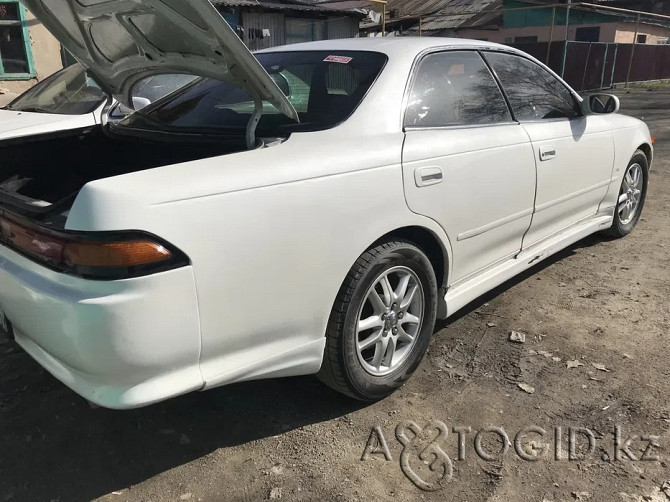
(124, 41)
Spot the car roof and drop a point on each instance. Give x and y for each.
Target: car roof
(382, 109)
(391, 46)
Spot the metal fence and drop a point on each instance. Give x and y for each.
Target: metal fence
(595, 65)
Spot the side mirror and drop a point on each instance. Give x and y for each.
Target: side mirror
(140, 102)
(604, 103)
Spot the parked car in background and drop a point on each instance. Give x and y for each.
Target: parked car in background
(71, 99)
(313, 209)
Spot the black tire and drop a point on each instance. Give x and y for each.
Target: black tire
(342, 368)
(621, 228)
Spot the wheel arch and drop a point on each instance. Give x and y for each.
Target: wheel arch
(648, 152)
(430, 243)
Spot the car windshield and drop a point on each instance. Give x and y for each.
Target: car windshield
(68, 92)
(324, 87)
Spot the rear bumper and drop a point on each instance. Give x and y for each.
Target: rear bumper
(119, 344)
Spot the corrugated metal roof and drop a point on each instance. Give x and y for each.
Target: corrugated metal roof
(441, 15)
(347, 4)
(456, 13)
(485, 18)
(437, 14)
(278, 5)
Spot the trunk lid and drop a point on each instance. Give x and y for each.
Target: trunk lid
(124, 41)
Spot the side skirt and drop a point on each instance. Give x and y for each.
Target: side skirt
(300, 360)
(459, 296)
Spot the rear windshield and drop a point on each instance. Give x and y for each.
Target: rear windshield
(324, 87)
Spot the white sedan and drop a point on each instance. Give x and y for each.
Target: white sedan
(311, 210)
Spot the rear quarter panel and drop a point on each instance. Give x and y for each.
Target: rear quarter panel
(271, 234)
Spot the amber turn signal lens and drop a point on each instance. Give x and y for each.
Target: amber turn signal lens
(115, 254)
(653, 139)
(92, 255)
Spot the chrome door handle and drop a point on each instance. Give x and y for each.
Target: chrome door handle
(547, 153)
(427, 176)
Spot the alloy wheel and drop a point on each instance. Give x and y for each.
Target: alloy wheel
(631, 194)
(389, 321)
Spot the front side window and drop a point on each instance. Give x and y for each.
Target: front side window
(533, 92)
(325, 88)
(70, 91)
(14, 43)
(455, 89)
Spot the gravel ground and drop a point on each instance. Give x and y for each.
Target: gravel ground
(601, 305)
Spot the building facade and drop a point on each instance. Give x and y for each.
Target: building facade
(265, 24)
(28, 52)
(535, 25)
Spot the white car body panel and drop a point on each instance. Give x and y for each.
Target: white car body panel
(499, 212)
(16, 124)
(572, 183)
(628, 134)
(112, 342)
(271, 234)
(295, 189)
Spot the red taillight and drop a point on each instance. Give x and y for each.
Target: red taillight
(38, 245)
(119, 255)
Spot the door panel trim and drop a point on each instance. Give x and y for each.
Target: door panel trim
(460, 294)
(493, 225)
(573, 195)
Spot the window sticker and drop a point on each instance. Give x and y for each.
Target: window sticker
(338, 59)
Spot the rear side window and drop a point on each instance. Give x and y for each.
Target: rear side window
(455, 89)
(534, 93)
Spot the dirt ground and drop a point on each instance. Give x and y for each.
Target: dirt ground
(600, 301)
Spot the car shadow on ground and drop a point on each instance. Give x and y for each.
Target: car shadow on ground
(56, 447)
